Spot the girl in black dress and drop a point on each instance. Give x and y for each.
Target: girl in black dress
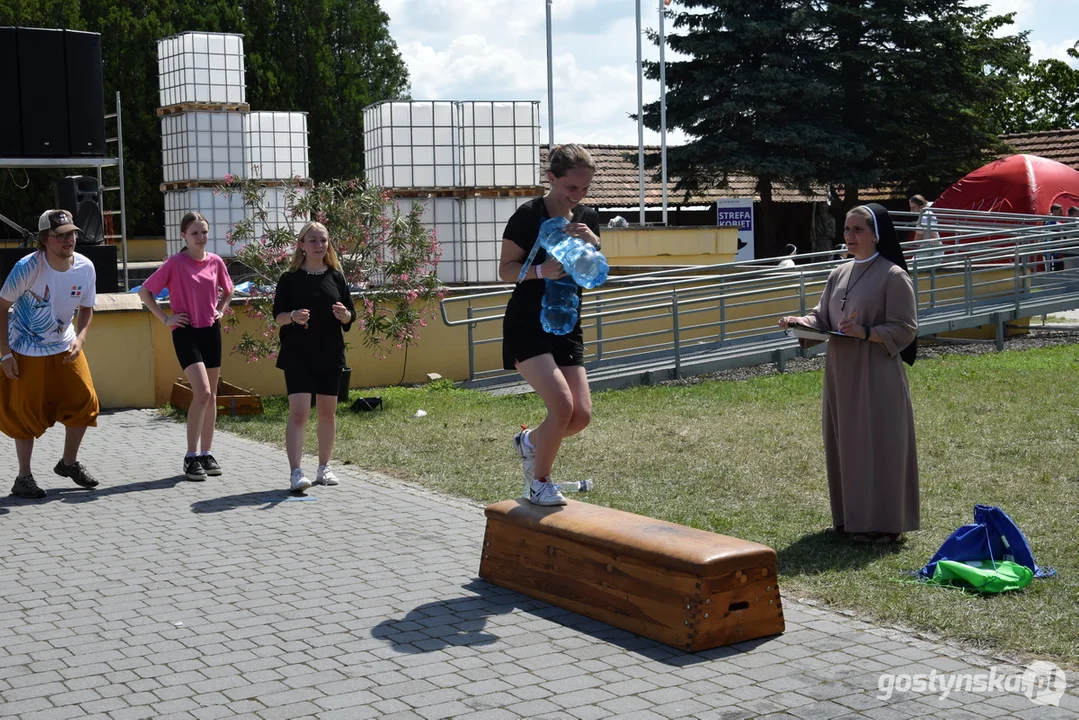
(313, 307)
(552, 364)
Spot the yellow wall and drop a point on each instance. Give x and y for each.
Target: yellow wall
(146, 249)
(134, 364)
(670, 245)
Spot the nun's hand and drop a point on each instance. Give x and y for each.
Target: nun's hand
(791, 320)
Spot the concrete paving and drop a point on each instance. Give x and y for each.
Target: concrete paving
(153, 597)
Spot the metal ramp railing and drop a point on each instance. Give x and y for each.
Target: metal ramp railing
(991, 268)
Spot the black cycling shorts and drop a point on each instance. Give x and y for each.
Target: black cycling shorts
(198, 345)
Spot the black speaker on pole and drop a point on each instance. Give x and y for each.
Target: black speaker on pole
(80, 195)
(43, 92)
(10, 123)
(85, 94)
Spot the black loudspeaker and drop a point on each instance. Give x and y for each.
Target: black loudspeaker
(10, 256)
(104, 259)
(10, 123)
(42, 92)
(81, 196)
(102, 256)
(85, 94)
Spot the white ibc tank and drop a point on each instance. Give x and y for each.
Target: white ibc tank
(198, 67)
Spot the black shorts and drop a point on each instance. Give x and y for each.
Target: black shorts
(522, 343)
(315, 382)
(198, 345)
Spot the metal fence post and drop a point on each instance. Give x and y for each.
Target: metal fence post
(677, 340)
(471, 345)
(599, 327)
(969, 283)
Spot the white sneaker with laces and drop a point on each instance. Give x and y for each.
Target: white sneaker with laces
(545, 492)
(528, 460)
(325, 476)
(299, 481)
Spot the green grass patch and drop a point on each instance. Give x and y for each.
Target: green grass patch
(744, 458)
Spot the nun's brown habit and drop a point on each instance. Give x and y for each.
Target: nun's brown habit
(869, 443)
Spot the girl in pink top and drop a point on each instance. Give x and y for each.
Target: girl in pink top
(199, 291)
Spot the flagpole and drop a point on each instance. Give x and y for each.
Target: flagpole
(640, 111)
(550, 85)
(663, 107)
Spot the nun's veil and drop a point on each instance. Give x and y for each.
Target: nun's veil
(888, 247)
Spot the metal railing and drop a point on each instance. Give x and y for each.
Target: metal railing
(990, 267)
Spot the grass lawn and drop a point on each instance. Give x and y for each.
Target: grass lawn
(744, 458)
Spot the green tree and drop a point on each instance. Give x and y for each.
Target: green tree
(751, 97)
(1045, 97)
(843, 94)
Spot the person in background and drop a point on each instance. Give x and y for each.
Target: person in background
(200, 290)
(868, 418)
(313, 307)
(45, 378)
(1053, 261)
(926, 232)
(551, 364)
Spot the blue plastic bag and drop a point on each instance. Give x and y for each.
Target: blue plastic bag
(993, 536)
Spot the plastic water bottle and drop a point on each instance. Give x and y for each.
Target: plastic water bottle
(574, 486)
(584, 265)
(581, 261)
(558, 310)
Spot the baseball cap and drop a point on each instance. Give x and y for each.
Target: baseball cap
(59, 221)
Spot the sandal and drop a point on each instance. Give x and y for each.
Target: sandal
(876, 538)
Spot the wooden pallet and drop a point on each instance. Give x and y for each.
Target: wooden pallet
(203, 107)
(681, 586)
(467, 192)
(213, 184)
(231, 400)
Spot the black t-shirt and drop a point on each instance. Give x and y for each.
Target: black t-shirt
(321, 345)
(523, 229)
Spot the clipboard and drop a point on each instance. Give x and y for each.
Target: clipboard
(805, 332)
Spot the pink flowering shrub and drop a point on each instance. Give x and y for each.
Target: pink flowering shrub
(388, 257)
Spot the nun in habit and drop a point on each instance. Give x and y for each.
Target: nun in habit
(869, 446)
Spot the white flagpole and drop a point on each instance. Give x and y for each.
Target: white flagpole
(640, 111)
(663, 108)
(550, 85)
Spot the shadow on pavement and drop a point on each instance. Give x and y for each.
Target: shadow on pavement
(819, 552)
(74, 494)
(462, 621)
(266, 498)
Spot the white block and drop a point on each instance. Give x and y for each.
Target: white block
(276, 145)
(202, 146)
(201, 67)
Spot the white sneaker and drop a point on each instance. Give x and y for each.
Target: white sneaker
(325, 476)
(528, 460)
(545, 493)
(299, 482)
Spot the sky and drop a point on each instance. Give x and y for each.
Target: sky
(496, 50)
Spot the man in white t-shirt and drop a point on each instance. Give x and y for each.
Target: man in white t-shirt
(45, 377)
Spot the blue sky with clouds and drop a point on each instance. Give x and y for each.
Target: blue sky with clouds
(496, 50)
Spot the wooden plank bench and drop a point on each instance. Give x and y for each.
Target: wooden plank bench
(685, 587)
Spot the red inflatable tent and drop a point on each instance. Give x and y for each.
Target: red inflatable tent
(1016, 184)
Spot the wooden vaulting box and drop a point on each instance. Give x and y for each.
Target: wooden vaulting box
(681, 586)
